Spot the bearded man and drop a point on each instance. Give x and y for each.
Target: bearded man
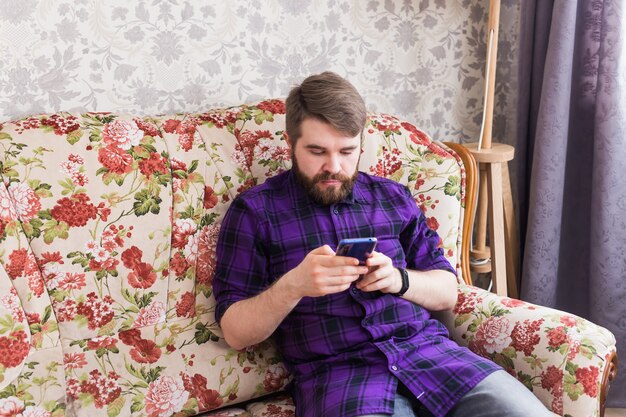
(359, 339)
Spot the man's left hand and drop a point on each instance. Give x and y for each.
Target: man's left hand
(382, 275)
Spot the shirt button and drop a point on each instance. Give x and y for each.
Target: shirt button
(394, 368)
(336, 210)
(367, 321)
(354, 290)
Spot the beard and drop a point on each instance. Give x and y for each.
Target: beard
(330, 195)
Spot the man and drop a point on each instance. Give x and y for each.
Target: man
(358, 339)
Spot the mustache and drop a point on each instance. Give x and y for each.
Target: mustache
(324, 176)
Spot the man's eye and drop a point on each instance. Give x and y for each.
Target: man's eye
(317, 152)
(347, 152)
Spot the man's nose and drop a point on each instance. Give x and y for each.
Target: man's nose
(332, 164)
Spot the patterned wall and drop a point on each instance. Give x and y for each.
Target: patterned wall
(422, 60)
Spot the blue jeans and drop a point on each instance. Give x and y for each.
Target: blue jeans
(497, 395)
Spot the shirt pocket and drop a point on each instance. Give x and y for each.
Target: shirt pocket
(391, 247)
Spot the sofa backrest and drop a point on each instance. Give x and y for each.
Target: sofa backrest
(108, 227)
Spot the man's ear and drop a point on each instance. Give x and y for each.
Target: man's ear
(287, 139)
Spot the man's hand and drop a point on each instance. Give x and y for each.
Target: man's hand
(322, 273)
(382, 275)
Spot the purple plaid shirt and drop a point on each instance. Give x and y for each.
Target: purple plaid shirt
(347, 351)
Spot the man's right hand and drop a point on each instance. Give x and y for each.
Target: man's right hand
(251, 321)
(322, 273)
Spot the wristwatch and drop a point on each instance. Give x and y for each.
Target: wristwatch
(405, 282)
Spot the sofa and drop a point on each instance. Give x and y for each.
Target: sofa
(108, 227)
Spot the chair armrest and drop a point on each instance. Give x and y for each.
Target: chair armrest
(562, 358)
(471, 194)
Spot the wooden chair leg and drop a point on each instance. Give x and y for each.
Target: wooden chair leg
(510, 235)
(496, 229)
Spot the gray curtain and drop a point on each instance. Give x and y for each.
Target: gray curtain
(571, 162)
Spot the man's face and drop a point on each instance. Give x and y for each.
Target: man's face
(325, 161)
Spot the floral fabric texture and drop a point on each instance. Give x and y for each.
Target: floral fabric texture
(108, 227)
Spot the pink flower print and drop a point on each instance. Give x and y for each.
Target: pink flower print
(35, 411)
(11, 406)
(25, 201)
(274, 106)
(186, 141)
(569, 321)
(76, 159)
(182, 229)
(525, 336)
(265, 147)
(165, 396)
(50, 273)
(13, 349)
(103, 389)
(91, 246)
(281, 153)
(494, 332)
(177, 165)
(66, 310)
(123, 134)
(186, 306)
(275, 377)
(100, 255)
(512, 302)
(72, 167)
(116, 160)
(74, 361)
(574, 348)
(191, 249)
(97, 311)
(21, 263)
(113, 237)
(80, 179)
(588, 377)
(61, 125)
(11, 302)
(36, 285)
(388, 163)
(205, 266)
(151, 314)
(466, 303)
(72, 281)
(7, 211)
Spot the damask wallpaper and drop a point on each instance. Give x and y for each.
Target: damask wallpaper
(421, 60)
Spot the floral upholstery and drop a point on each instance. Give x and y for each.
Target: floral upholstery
(108, 226)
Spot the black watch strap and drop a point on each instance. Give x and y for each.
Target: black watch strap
(405, 282)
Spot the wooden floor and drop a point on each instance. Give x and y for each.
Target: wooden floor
(615, 412)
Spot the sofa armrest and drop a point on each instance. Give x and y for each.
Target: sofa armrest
(562, 358)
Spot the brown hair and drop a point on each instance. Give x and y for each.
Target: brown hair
(328, 98)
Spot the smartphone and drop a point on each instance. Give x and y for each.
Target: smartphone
(359, 248)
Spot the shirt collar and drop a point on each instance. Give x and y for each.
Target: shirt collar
(300, 196)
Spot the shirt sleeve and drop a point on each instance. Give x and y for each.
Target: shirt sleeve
(420, 243)
(241, 269)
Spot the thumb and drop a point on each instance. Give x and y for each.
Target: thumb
(323, 250)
